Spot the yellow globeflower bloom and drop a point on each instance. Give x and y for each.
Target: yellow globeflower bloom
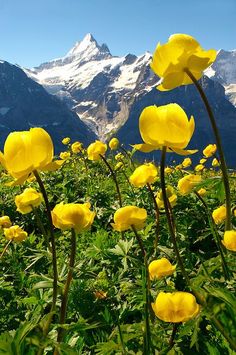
(202, 161)
(66, 140)
(26, 151)
(219, 214)
(119, 165)
(215, 162)
(188, 182)
(160, 268)
(166, 125)
(186, 162)
(96, 149)
(27, 200)
(5, 222)
(76, 147)
(128, 216)
(175, 307)
(199, 167)
(15, 233)
(64, 155)
(230, 240)
(72, 215)
(144, 174)
(209, 150)
(168, 170)
(114, 143)
(172, 197)
(181, 52)
(202, 192)
(119, 156)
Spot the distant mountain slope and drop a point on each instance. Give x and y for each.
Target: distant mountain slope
(24, 104)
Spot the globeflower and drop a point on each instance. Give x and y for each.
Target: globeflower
(29, 199)
(229, 240)
(15, 233)
(186, 162)
(72, 215)
(96, 149)
(171, 60)
(219, 214)
(172, 197)
(5, 222)
(202, 192)
(166, 125)
(114, 143)
(188, 182)
(128, 216)
(209, 150)
(215, 162)
(160, 268)
(144, 174)
(175, 307)
(199, 167)
(76, 147)
(66, 140)
(26, 151)
(64, 155)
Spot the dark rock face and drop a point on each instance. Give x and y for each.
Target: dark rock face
(24, 104)
(188, 98)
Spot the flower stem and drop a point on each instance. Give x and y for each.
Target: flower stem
(54, 255)
(5, 248)
(219, 147)
(41, 227)
(170, 218)
(157, 216)
(67, 285)
(217, 239)
(114, 178)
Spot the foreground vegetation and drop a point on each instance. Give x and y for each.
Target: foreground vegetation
(101, 254)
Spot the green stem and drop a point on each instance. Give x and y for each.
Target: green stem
(169, 216)
(41, 226)
(5, 248)
(114, 178)
(219, 147)
(67, 285)
(217, 239)
(157, 213)
(54, 255)
(121, 337)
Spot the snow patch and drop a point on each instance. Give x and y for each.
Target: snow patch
(4, 110)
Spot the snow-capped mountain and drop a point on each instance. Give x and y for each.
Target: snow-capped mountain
(99, 87)
(223, 70)
(24, 104)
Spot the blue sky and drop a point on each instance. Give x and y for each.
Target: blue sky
(35, 31)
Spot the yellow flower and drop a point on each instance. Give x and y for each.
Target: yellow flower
(175, 307)
(166, 125)
(128, 216)
(179, 167)
(219, 214)
(172, 197)
(72, 215)
(27, 200)
(160, 268)
(199, 167)
(64, 155)
(76, 147)
(15, 233)
(26, 151)
(230, 240)
(66, 140)
(186, 162)
(202, 161)
(96, 149)
(144, 174)
(119, 156)
(5, 222)
(168, 170)
(114, 143)
(215, 162)
(202, 192)
(181, 52)
(209, 150)
(188, 182)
